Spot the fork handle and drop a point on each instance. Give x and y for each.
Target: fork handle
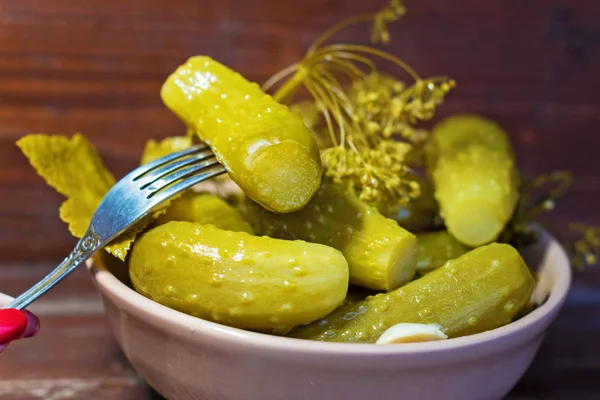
(85, 248)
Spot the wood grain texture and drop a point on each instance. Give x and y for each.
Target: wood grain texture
(96, 67)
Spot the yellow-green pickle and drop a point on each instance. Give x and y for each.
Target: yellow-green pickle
(473, 170)
(206, 209)
(435, 248)
(381, 254)
(478, 291)
(419, 214)
(267, 149)
(238, 279)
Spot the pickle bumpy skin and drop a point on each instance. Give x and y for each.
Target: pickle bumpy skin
(473, 169)
(481, 290)
(435, 248)
(419, 215)
(237, 279)
(267, 149)
(381, 255)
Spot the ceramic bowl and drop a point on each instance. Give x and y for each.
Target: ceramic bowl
(186, 358)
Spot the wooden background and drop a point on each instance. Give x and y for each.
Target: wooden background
(96, 66)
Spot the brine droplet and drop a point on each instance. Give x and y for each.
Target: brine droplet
(289, 285)
(329, 334)
(472, 321)
(287, 307)
(349, 316)
(424, 313)
(247, 298)
(217, 280)
(299, 271)
(382, 308)
(509, 306)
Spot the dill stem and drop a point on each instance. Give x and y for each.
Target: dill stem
(291, 85)
(336, 28)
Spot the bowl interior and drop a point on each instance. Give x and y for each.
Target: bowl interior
(547, 258)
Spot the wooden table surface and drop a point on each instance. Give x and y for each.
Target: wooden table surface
(96, 66)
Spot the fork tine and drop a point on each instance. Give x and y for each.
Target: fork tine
(182, 173)
(207, 173)
(166, 169)
(144, 169)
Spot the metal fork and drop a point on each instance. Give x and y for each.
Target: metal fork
(130, 200)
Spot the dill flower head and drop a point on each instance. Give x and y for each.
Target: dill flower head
(368, 120)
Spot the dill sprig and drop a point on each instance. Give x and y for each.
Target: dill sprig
(537, 196)
(369, 117)
(585, 251)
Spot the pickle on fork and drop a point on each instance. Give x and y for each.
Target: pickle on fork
(266, 149)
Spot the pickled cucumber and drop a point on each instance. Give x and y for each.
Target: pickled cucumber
(435, 248)
(421, 214)
(473, 169)
(206, 208)
(238, 279)
(267, 149)
(381, 254)
(481, 290)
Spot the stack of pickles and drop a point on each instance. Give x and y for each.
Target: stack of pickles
(287, 252)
